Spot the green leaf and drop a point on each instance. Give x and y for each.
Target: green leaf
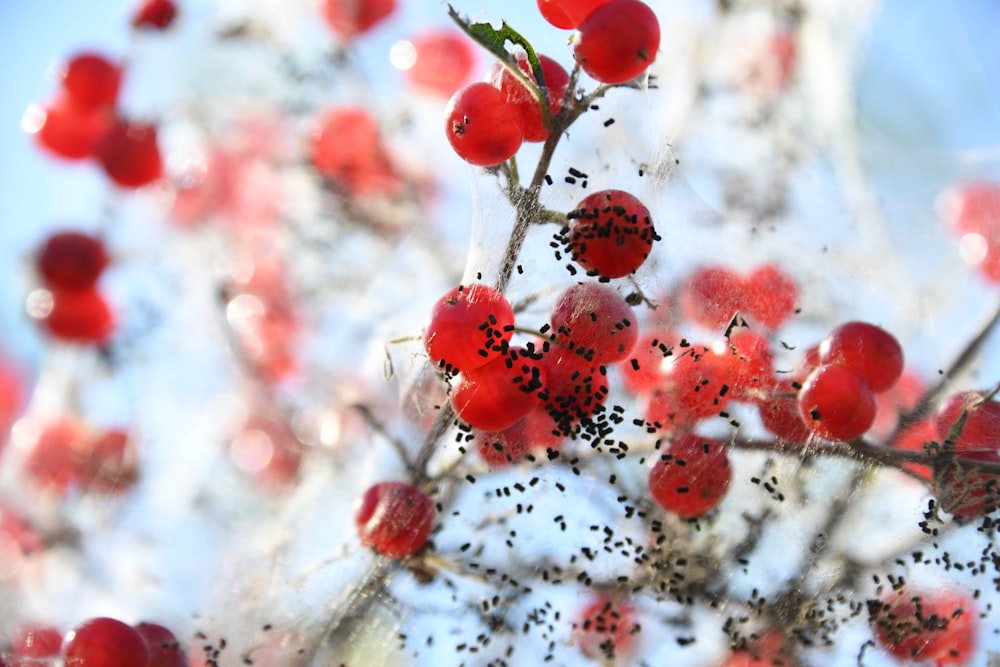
(495, 41)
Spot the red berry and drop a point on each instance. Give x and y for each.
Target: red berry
(91, 81)
(691, 476)
(610, 234)
(869, 351)
(55, 459)
(771, 295)
(575, 389)
(923, 627)
(696, 387)
(712, 295)
(973, 211)
(154, 15)
(395, 519)
(746, 357)
(961, 490)
(481, 126)
(781, 416)
(567, 14)
(36, 642)
(468, 327)
(105, 642)
(267, 449)
(645, 368)
(534, 431)
(164, 649)
(79, 316)
(768, 649)
(516, 93)
(68, 260)
(607, 628)
(444, 60)
(347, 149)
(130, 154)
(65, 129)
(593, 321)
(350, 18)
(495, 396)
(617, 41)
(837, 403)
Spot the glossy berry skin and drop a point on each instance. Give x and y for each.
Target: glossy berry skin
(695, 388)
(575, 388)
(871, 352)
(79, 316)
(610, 234)
(567, 14)
(70, 260)
(105, 642)
(130, 154)
(837, 403)
(164, 649)
(517, 94)
(91, 81)
(691, 477)
(444, 61)
(607, 629)
(468, 327)
(154, 15)
(644, 370)
(395, 519)
(963, 491)
(481, 126)
(617, 41)
(350, 18)
(66, 130)
(495, 396)
(913, 438)
(596, 323)
(972, 210)
(927, 627)
(779, 413)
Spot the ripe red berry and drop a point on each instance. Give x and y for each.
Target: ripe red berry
(913, 438)
(866, 349)
(575, 388)
(646, 366)
(607, 629)
(65, 129)
(481, 126)
(79, 316)
(495, 396)
(972, 210)
(960, 489)
(771, 295)
(534, 431)
(154, 15)
(350, 18)
(747, 362)
(164, 649)
(395, 519)
(617, 41)
(110, 465)
(926, 626)
(91, 81)
(443, 61)
(105, 642)
(780, 415)
(130, 154)
(610, 234)
(36, 642)
(691, 476)
(347, 149)
(696, 386)
(468, 327)
(712, 295)
(516, 93)
(69, 259)
(766, 650)
(596, 323)
(837, 403)
(567, 14)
